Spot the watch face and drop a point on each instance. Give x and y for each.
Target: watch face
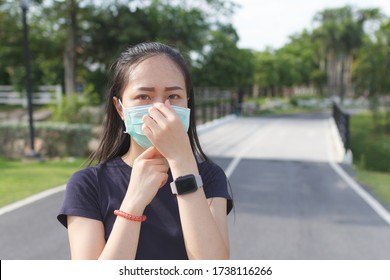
(186, 184)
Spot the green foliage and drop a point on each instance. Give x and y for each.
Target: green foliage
(103, 31)
(203, 31)
(90, 96)
(78, 108)
(371, 70)
(45, 49)
(70, 109)
(370, 147)
(266, 75)
(57, 139)
(341, 34)
(223, 64)
(291, 65)
(361, 162)
(315, 57)
(11, 43)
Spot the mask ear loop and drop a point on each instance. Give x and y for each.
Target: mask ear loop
(120, 103)
(123, 123)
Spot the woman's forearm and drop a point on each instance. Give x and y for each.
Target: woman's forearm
(202, 236)
(123, 241)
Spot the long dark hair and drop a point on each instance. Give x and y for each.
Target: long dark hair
(114, 142)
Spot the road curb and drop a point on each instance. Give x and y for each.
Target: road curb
(31, 199)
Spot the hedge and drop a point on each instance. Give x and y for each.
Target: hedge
(52, 139)
(370, 147)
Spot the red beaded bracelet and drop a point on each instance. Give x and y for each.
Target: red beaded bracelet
(130, 217)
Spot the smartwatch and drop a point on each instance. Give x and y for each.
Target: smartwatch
(186, 184)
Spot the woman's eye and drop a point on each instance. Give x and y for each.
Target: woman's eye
(143, 97)
(174, 96)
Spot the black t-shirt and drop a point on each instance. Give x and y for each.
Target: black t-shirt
(95, 192)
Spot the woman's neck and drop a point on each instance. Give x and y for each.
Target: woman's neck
(134, 151)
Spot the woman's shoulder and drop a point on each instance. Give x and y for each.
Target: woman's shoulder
(86, 173)
(90, 174)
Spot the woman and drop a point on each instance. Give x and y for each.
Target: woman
(154, 193)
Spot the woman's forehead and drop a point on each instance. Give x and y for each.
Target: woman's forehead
(157, 68)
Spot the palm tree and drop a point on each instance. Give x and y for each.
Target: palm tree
(341, 34)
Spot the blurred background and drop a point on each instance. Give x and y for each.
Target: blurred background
(55, 58)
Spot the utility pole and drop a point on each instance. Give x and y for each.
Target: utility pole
(24, 4)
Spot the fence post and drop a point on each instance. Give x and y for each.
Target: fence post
(342, 122)
(58, 91)
(347, 133)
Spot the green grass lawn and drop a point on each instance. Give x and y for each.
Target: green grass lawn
(378, 182)
(289, 111)
(371, 152)
(20, 179)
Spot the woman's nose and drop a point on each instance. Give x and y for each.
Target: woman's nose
(160, 100)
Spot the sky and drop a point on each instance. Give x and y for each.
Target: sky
(262, 24)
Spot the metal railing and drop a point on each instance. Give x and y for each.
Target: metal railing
(44, 95)
(342, 122)
(212, 103)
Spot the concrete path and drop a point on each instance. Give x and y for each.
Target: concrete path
(292, 199)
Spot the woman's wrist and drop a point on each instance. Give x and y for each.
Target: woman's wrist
(133, 207)
(183, 166)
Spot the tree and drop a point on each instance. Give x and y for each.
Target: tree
(341, 32)
(222, 63)
(266, 76)
(278, 71)
(97, 33)
(70, 47)
(372, 72)
(11, 42)
(45, 62)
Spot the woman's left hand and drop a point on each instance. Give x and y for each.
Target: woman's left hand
(165, 130)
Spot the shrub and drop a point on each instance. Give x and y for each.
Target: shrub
(371, 148)
(51, 139)
(76, 108)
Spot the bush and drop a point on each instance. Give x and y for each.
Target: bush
(371, 148)
(76, 108)
(51, 139)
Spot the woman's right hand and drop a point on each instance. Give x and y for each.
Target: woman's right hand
(149, 174)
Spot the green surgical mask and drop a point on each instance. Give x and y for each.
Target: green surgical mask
(133, 121)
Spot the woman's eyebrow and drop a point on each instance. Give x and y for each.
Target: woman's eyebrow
(151, 89)
(173, 88)
(146, 88)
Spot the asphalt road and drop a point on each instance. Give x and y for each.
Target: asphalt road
(291, 199)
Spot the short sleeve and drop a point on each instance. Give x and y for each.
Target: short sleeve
(81, 197)
(215, 182)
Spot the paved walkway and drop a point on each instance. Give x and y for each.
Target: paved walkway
(292, 199)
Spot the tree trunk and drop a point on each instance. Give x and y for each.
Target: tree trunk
(341, 76)
(331, 72)
(70, 49)
(348, 76)
(255, 91)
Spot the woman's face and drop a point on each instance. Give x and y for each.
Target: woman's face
(155, 79)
